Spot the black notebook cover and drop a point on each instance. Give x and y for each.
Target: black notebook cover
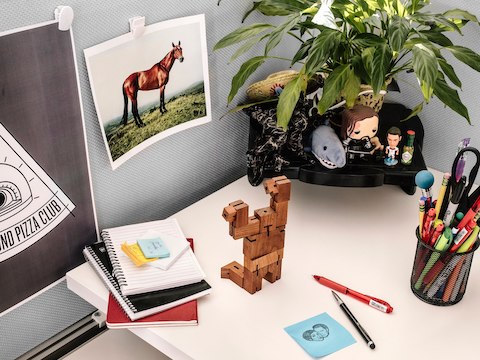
(141, 305)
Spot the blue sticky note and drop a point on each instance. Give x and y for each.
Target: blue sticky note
(320, 335)
(153, 248)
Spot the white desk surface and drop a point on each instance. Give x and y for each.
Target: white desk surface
(360, 237)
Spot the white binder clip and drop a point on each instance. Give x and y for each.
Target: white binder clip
(137, 26)
(64, 16)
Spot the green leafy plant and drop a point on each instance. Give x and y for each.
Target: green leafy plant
(354, 42)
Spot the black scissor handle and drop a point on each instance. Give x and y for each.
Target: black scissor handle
(471, 177)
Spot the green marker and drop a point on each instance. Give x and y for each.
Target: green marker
(445, 240)
(469, 242)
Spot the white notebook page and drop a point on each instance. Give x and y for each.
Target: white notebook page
(138, 279)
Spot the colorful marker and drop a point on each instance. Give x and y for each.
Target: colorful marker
(462, 235)
(436, 234)
(421, 214)
(428, 226)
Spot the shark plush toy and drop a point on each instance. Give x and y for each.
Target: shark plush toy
(327, 147)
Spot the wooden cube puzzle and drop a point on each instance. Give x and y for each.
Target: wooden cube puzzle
(263, 237)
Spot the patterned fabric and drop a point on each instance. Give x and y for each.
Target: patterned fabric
(273, 142)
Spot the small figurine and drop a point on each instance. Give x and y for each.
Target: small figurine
(327, 147)
(359, 131)
(394, 135)
(263, 237)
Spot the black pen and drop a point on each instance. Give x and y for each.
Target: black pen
(354, 321)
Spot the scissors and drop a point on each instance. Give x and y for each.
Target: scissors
(465, 201)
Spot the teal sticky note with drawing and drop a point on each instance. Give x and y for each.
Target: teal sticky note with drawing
(153, 248)
(320, 335)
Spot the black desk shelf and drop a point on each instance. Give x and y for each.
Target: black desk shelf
(360, 172)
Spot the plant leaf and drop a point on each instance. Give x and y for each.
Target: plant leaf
(247, 45)
(351, 89)
(251, 10)
(450, 97)
(466, 55)
(425, 65)
(398, 6)
(367, 61)
(302, 51)
(450, 72)
(416, 5)
(436, 37)
(435, 21)
(367, 40)
(334, 84)
(275, 6)
(414, 112)
(460, 14)
(321, 49)
(288, 100)
(241, 34)
(380, 65)
(398, 30)
(247, 69)
(277, 34)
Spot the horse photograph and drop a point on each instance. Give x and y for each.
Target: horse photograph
(151, 87)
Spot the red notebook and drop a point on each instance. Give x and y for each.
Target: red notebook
(185, 314)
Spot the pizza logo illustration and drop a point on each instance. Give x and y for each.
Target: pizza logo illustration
(31, 203)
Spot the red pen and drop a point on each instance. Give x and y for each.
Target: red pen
(436, 234)
(367, 299)
(428, 225)
(470, 214)
(462, 235)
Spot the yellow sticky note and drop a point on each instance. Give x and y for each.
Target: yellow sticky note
(134, 252)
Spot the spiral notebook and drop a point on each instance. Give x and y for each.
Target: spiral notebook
(181, 315)
(132, 279)
(141, 305)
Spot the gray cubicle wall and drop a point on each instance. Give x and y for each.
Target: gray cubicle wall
(187, 166)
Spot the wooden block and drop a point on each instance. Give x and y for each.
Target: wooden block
(274, 272)
(281, 208)
(267, 218)
(241, 218)
(270, 188)
(233, 271)
(262, 244)
(256, 246)
(252, 281)
(284, 188)
(261, 262)
(277, 239)
(252, 228)
(229, 213)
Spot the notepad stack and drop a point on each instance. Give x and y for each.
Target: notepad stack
(149, 295)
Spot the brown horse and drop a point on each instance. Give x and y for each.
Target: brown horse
(154, 78)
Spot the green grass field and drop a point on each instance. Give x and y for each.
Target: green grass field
(181, 109)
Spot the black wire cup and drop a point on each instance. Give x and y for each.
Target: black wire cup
(440, 277)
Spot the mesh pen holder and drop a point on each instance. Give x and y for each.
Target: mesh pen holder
(440, 277)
